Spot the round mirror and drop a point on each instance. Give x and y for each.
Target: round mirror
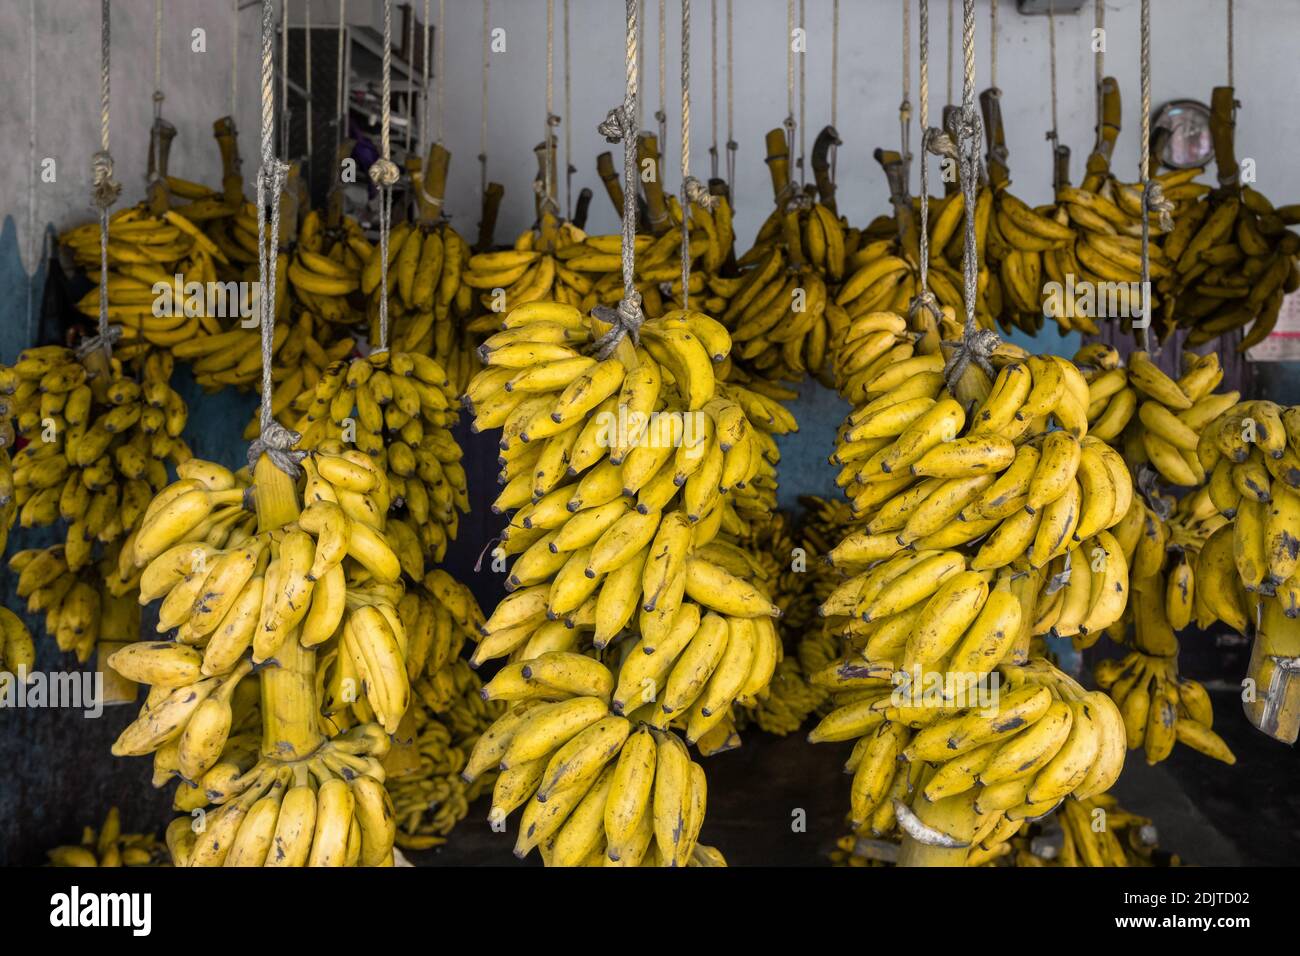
(1180, 134)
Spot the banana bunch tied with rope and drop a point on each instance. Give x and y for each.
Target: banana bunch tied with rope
(960, 776)
(1248, 573)
(97, 439)
(110, 847)
(397, 408)
(146, 254)
(1096, 832)
(81, 606)
(278, 592)
(597, 788)
(447, 720)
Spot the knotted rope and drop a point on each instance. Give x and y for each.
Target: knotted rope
(385, 174)
(545, 188)
(904, 107)
(619, 126)
(976, 345)
(693, 191)
(924, 299)
(103, 190)
(1153, 198)
(275, 441)
(156, 131)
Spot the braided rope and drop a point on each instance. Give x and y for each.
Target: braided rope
(568, 124)
(950, 49)
(442, 65)
(306, 42)
(661, 117)
(483, 115)
(1152, 196)
(155, 133)
(1099, 58)
(385, 174)
(340, 131)
(1052, 135)
(713, 69)
(545, 186)
(693, 191)
(619, 126)
(732, 145)
(925, 298)
(424, 78)
(976, 345)
(408, 47)
(905, 107)
(284, 77)
(789, 76)
(640, 67)
(803, 99)
(275, 441)
(103, 191)
(234, 58)
(993, 43)
(835, 82)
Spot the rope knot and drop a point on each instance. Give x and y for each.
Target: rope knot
(276, 442)
(552, 120)
(103, 190)
(384, 173)
(625, 319)
(698, 193)
(1153, 198)
(976, 346)
(936, 142)
(109, 337)
(924, 300)
(793, 199)
(617, 125)
(788, 123)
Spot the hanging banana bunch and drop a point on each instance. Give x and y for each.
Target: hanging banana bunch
(110, 847)
(1246, 569)
(1232, 257)
(1069, 838)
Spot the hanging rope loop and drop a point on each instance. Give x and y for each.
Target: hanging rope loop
(275, 441)
(977, 345)
(619, 126)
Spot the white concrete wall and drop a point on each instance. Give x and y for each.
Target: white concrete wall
(1188, 53)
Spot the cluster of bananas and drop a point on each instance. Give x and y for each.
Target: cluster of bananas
(301, 350)
(607, 792)
(17, 651)
(959, 780)
(429, 296)
(328, 265)
(447, 720)
(328, 810)
(96, 444)
(110, 847)
(320, 577)
(1073, 837)
(1166, 414)
(82, 607)
(396, 408)
(145, 249)
(1159, 707)
(1250, 451)
(1231, 260)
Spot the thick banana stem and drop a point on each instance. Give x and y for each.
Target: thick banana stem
(289, 705)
